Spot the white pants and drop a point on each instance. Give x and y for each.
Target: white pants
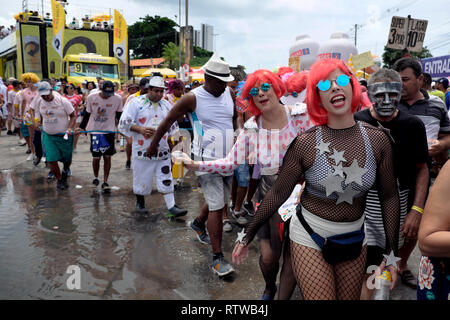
(145, 170)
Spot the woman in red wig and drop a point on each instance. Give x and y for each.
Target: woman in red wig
(340, 160)
(264, 142)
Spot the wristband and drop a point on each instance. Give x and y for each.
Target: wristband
(416, 208)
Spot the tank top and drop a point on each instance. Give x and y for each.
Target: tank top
(321, 167)
(212, 123)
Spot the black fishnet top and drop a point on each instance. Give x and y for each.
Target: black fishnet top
(301, 156)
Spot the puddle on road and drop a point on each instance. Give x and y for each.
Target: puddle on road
(43, 231)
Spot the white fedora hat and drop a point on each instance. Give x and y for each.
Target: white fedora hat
(217, 68)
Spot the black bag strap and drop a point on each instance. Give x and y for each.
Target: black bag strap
(319, 240)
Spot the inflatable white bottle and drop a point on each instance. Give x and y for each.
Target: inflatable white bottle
(338, 46)
(305, 48)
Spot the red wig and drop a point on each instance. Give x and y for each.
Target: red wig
(320, 70)
(297, 82)
(256, 79)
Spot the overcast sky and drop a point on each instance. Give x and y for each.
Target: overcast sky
(258, 33)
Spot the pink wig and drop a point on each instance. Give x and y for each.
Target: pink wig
(256, 79)
(175, 84)
(283, 70)
(297, 82)
(320, 71)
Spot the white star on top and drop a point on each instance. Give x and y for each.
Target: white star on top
(323, 147)
(354, 173)
(241, 236)
(338, 156)
(331, 183)
(338, 170)
(347, 195)
(391, 259)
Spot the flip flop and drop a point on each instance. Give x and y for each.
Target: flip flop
(408, 279)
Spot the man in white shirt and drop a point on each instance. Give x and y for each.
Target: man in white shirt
(139, 121)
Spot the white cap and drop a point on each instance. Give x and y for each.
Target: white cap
(44, 88)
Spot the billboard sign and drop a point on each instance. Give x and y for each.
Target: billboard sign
(437, 67)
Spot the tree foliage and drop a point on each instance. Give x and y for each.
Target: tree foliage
(392, 55)
(170, 54)
(148, 36)
(201, 56)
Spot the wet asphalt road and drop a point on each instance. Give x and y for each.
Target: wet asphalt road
(43, 232)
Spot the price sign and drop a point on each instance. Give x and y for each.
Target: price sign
(407, 33)
(416, 34)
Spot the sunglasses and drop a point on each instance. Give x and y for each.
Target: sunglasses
(255, 91)
(325, 85)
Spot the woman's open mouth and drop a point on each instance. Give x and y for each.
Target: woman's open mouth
(264, 101)
(338, 101)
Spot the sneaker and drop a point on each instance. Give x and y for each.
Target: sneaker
(202, 236)
(9, 133)
(30, 157)
(28, 151)
(50, 176)
(249, 208)
(176, 212)
(270, 296)
(36, 160)
(22, 142)
(227, 227)
(239, 218)
(105, 186)
(95, 182)
(61, 185)
(140, 208)
(221, 267)
(128, 165)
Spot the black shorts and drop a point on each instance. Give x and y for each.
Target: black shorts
(110, 137)
(374, 256)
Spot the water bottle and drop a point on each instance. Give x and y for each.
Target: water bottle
(384, 282)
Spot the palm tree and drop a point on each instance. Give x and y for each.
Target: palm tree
(170, 54)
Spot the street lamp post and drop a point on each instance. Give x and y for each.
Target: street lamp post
(179, 42)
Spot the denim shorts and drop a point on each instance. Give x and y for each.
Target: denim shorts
(216, 190)
(242, 174)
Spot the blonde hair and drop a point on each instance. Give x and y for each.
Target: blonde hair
(29, 76)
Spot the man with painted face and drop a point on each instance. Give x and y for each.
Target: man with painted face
(408, 137)
(139, 120)
(211, 110)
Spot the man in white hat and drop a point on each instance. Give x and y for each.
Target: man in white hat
(139, 120)
(57, 116)
(212, 113)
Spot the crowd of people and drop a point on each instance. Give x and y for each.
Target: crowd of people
(363, 154)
